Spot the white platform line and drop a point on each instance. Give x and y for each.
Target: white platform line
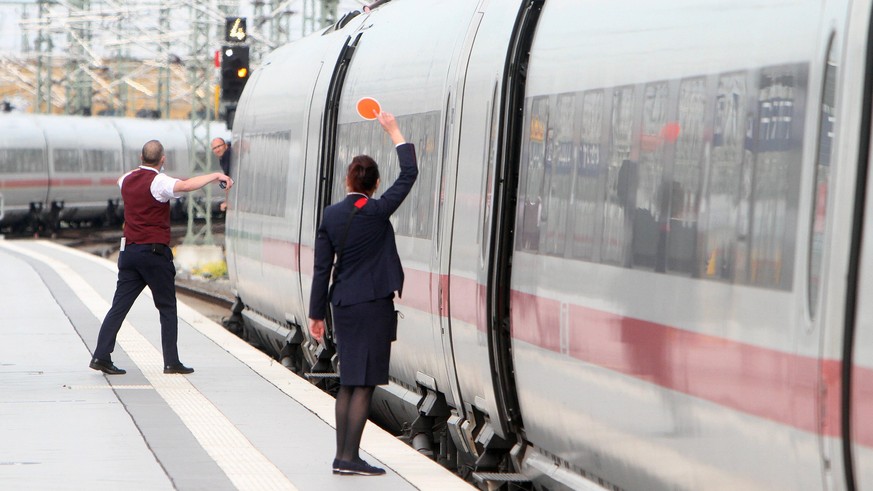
(415, 468)
(112, 387)
(244, 465)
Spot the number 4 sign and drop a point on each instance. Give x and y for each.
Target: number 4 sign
(235, 29)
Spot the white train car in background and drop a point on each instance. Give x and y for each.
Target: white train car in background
(57, 169)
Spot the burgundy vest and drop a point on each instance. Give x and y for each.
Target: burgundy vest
(146, 220)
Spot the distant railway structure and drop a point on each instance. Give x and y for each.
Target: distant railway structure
(136, 58)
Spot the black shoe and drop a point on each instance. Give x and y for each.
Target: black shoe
(336, 466)
(106, 367)
(180, 368)
(357, 468)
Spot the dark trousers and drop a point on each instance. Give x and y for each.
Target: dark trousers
(140, 265)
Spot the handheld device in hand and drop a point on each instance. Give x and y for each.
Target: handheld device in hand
(222, 184)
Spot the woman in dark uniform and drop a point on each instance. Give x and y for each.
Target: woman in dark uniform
(367, 272)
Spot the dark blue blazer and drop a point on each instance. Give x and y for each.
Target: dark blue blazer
(370, 266)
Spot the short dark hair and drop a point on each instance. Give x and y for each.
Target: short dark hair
(152, 152)
(363, 174)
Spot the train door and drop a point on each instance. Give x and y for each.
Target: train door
(422, 92)
(468, 263)
(840, 261)
(856, 398)
(447, 186)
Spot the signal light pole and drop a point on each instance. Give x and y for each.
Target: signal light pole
(234, 71)
(235, 67)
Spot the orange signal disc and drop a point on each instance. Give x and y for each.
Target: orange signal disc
(366, 107)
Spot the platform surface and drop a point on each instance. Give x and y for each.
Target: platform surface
(241, 421)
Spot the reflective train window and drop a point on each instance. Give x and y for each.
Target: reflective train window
(620, 178)
(689, 135)
(532, 176)
(66, 160)
(559, 174)
(697, 177)
(649, 199)
(724, 217)
(549, 180)
(22, 160)
(269, 150)
(100, 160)
(414, 218)
(822, 180)
(776, 176)
(588, 182)
(171, 165)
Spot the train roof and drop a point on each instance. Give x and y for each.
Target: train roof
(20, 131)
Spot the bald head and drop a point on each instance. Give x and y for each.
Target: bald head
(219, 146)
(152, 153)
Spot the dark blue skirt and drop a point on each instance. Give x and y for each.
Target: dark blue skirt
(363, 334)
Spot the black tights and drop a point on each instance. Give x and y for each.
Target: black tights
(352, 408)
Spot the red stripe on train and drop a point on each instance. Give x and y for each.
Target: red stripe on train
(24, 183)
(280, 253)
(73, 182)
(770, 384)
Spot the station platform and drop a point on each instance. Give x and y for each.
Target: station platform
(240, 421)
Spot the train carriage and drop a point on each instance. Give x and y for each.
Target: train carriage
(23, 167)
(84, 176)
(636, 251)
(66, 168)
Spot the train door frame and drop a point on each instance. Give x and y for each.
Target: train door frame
(812, 331)
(854, 468)
(329, 125)
(320, 355)
(848, 26)
(445, 219)
(502, 235)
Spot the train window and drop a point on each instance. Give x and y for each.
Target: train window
(21, 160)
(486, 195)
(414, 218)
(698, 176)
(261, 166)
(557, 177)
(822, 180)
(724, 226)
(684, 200)
(171, 164)
(588, 183)
(621, 180)
(133, 160)
(100, 161)
(66, 160)
(424, 198)
(532, 177)
(648, 214)
(776, 176)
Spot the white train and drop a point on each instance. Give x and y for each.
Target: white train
(638, 248)
(66, 168)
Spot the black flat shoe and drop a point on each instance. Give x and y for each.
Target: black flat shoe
(106, 367)
(180, 369)
(357, 468)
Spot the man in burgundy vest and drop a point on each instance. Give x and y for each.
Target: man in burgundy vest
(146, 258)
